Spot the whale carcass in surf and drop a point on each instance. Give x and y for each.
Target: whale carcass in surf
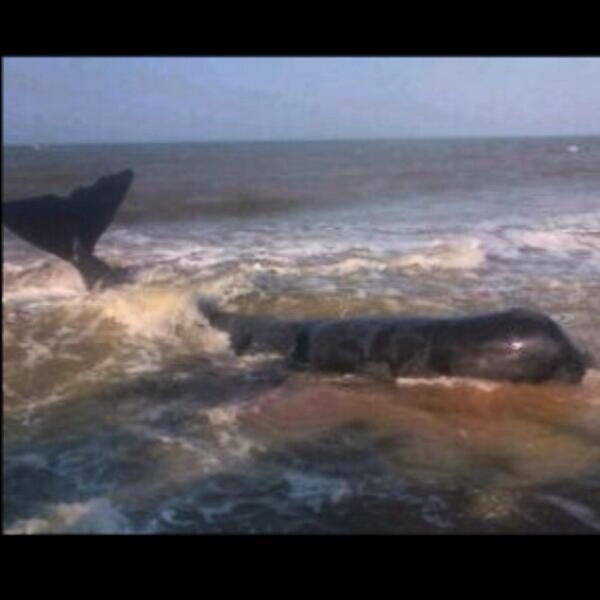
(516, 345)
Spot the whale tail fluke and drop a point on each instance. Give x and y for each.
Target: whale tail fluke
(70, 227)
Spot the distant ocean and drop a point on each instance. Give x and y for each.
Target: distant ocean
(124, 411)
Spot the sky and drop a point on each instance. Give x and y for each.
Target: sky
(103, 100)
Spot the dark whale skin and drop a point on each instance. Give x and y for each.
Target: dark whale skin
(516, 345)
(70, 226)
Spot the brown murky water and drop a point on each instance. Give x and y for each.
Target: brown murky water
(506, 447)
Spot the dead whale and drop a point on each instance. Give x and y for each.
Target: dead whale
(69, 227)
(516, 345)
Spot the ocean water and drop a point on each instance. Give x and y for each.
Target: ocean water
(125, 412)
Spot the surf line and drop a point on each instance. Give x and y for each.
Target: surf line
(515, 345)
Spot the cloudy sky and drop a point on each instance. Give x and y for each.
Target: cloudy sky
(66, 100)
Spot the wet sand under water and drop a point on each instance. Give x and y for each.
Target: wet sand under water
(500, 457)
(279, 453)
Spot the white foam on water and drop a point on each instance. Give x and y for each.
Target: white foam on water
(161, 312)
(190, 457)
(40, 282)
(555, 240)
(574, 509)
(96, 516)
(224, 415)
(561, 236)
(449, 382)
(230, 284)
(149, 312)
(433, 510)
(315, 490)
(36, 352)
(351, 265)
(227, 444)
(228, 272)
(460, 255)
(583, 222)
(209, 511)
(225, 421)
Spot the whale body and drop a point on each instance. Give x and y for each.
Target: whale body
(516, 345)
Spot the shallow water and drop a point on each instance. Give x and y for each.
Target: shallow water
(124, 411)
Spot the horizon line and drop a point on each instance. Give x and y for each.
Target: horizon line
(305, 140)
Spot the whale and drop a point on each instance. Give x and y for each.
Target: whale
(69, 227)
(516, 345)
